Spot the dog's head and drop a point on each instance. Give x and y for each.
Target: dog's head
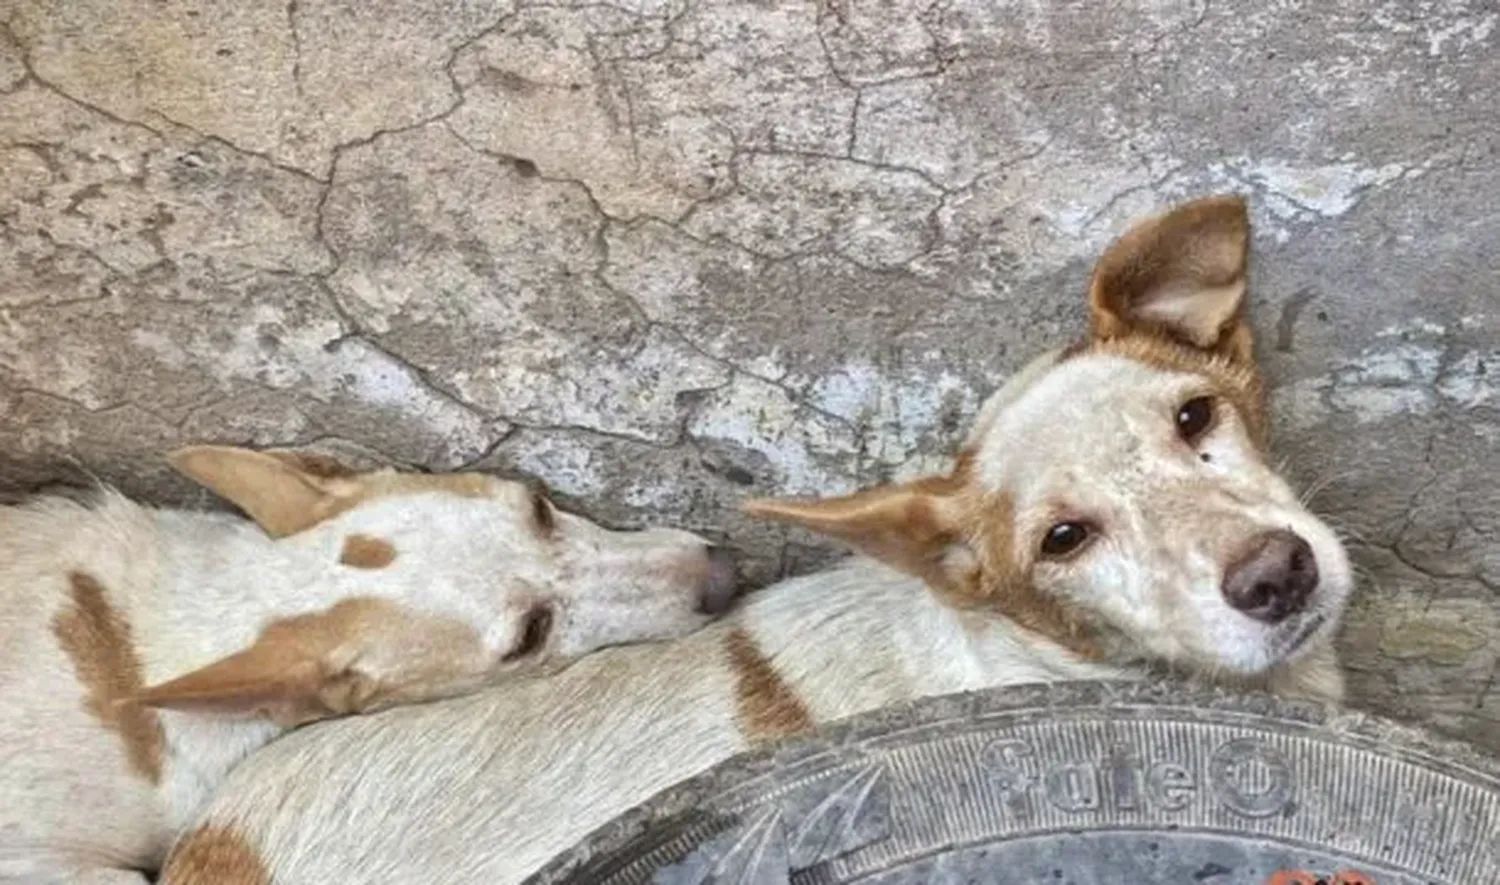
(415, 586)
(1116, 496)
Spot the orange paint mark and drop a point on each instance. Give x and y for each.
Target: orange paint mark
(1303, 877)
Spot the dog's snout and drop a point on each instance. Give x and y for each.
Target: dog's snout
(1274, 578)
(721, 583)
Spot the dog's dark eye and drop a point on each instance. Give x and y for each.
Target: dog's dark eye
(542, 515)
(1065, 538)
(534, 632)
(1194, 418)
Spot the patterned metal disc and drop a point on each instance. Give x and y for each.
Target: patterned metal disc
(1073, 784)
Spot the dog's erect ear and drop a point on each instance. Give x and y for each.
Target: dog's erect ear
(282, 491)
(1181, 273)
(911, 526)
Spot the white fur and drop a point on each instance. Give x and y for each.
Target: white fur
(1094, 438)
(197, 587)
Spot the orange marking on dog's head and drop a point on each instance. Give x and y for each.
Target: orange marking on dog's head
(1240, 384)
(765, 706)
(97, 639)
(1304, 877)
(1002, 581)
(214, 856)
(364, 551)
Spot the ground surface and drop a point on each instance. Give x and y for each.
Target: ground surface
(669, 254)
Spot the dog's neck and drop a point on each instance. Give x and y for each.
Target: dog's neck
(219, 581)
(862, 636)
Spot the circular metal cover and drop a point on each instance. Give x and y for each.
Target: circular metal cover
(1072, 784)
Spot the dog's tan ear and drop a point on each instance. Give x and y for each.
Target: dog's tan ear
(1181, 273)
(281, 491)
(288, 685)
(911, 526)
(358, 655)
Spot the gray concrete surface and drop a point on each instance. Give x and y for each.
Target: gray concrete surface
(667, 254)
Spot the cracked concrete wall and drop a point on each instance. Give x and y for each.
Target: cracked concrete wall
(666, 253)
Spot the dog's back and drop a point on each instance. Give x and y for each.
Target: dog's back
(503, 741)
(486, 789)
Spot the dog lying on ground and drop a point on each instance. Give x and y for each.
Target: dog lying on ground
(143, 652)
(1112, 511)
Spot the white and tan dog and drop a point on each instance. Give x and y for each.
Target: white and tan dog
(143, 653)
(1112, 511)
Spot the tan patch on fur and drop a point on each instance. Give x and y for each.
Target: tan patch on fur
(215, 856)
(97, 639)
(365, 551)
(1002, 583)
(766, 707)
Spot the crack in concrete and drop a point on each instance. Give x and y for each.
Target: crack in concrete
(599, 273)
(489, 451)
(100, 411)
(941, 59)
(865, 162)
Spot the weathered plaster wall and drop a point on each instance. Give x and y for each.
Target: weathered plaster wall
(665, 254)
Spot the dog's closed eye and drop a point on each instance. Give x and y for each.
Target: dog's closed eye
(534, 631)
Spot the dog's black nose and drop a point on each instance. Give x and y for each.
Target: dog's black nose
(721, 585)
(1274, 578)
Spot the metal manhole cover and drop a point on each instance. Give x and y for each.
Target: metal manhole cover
(1075, 784)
